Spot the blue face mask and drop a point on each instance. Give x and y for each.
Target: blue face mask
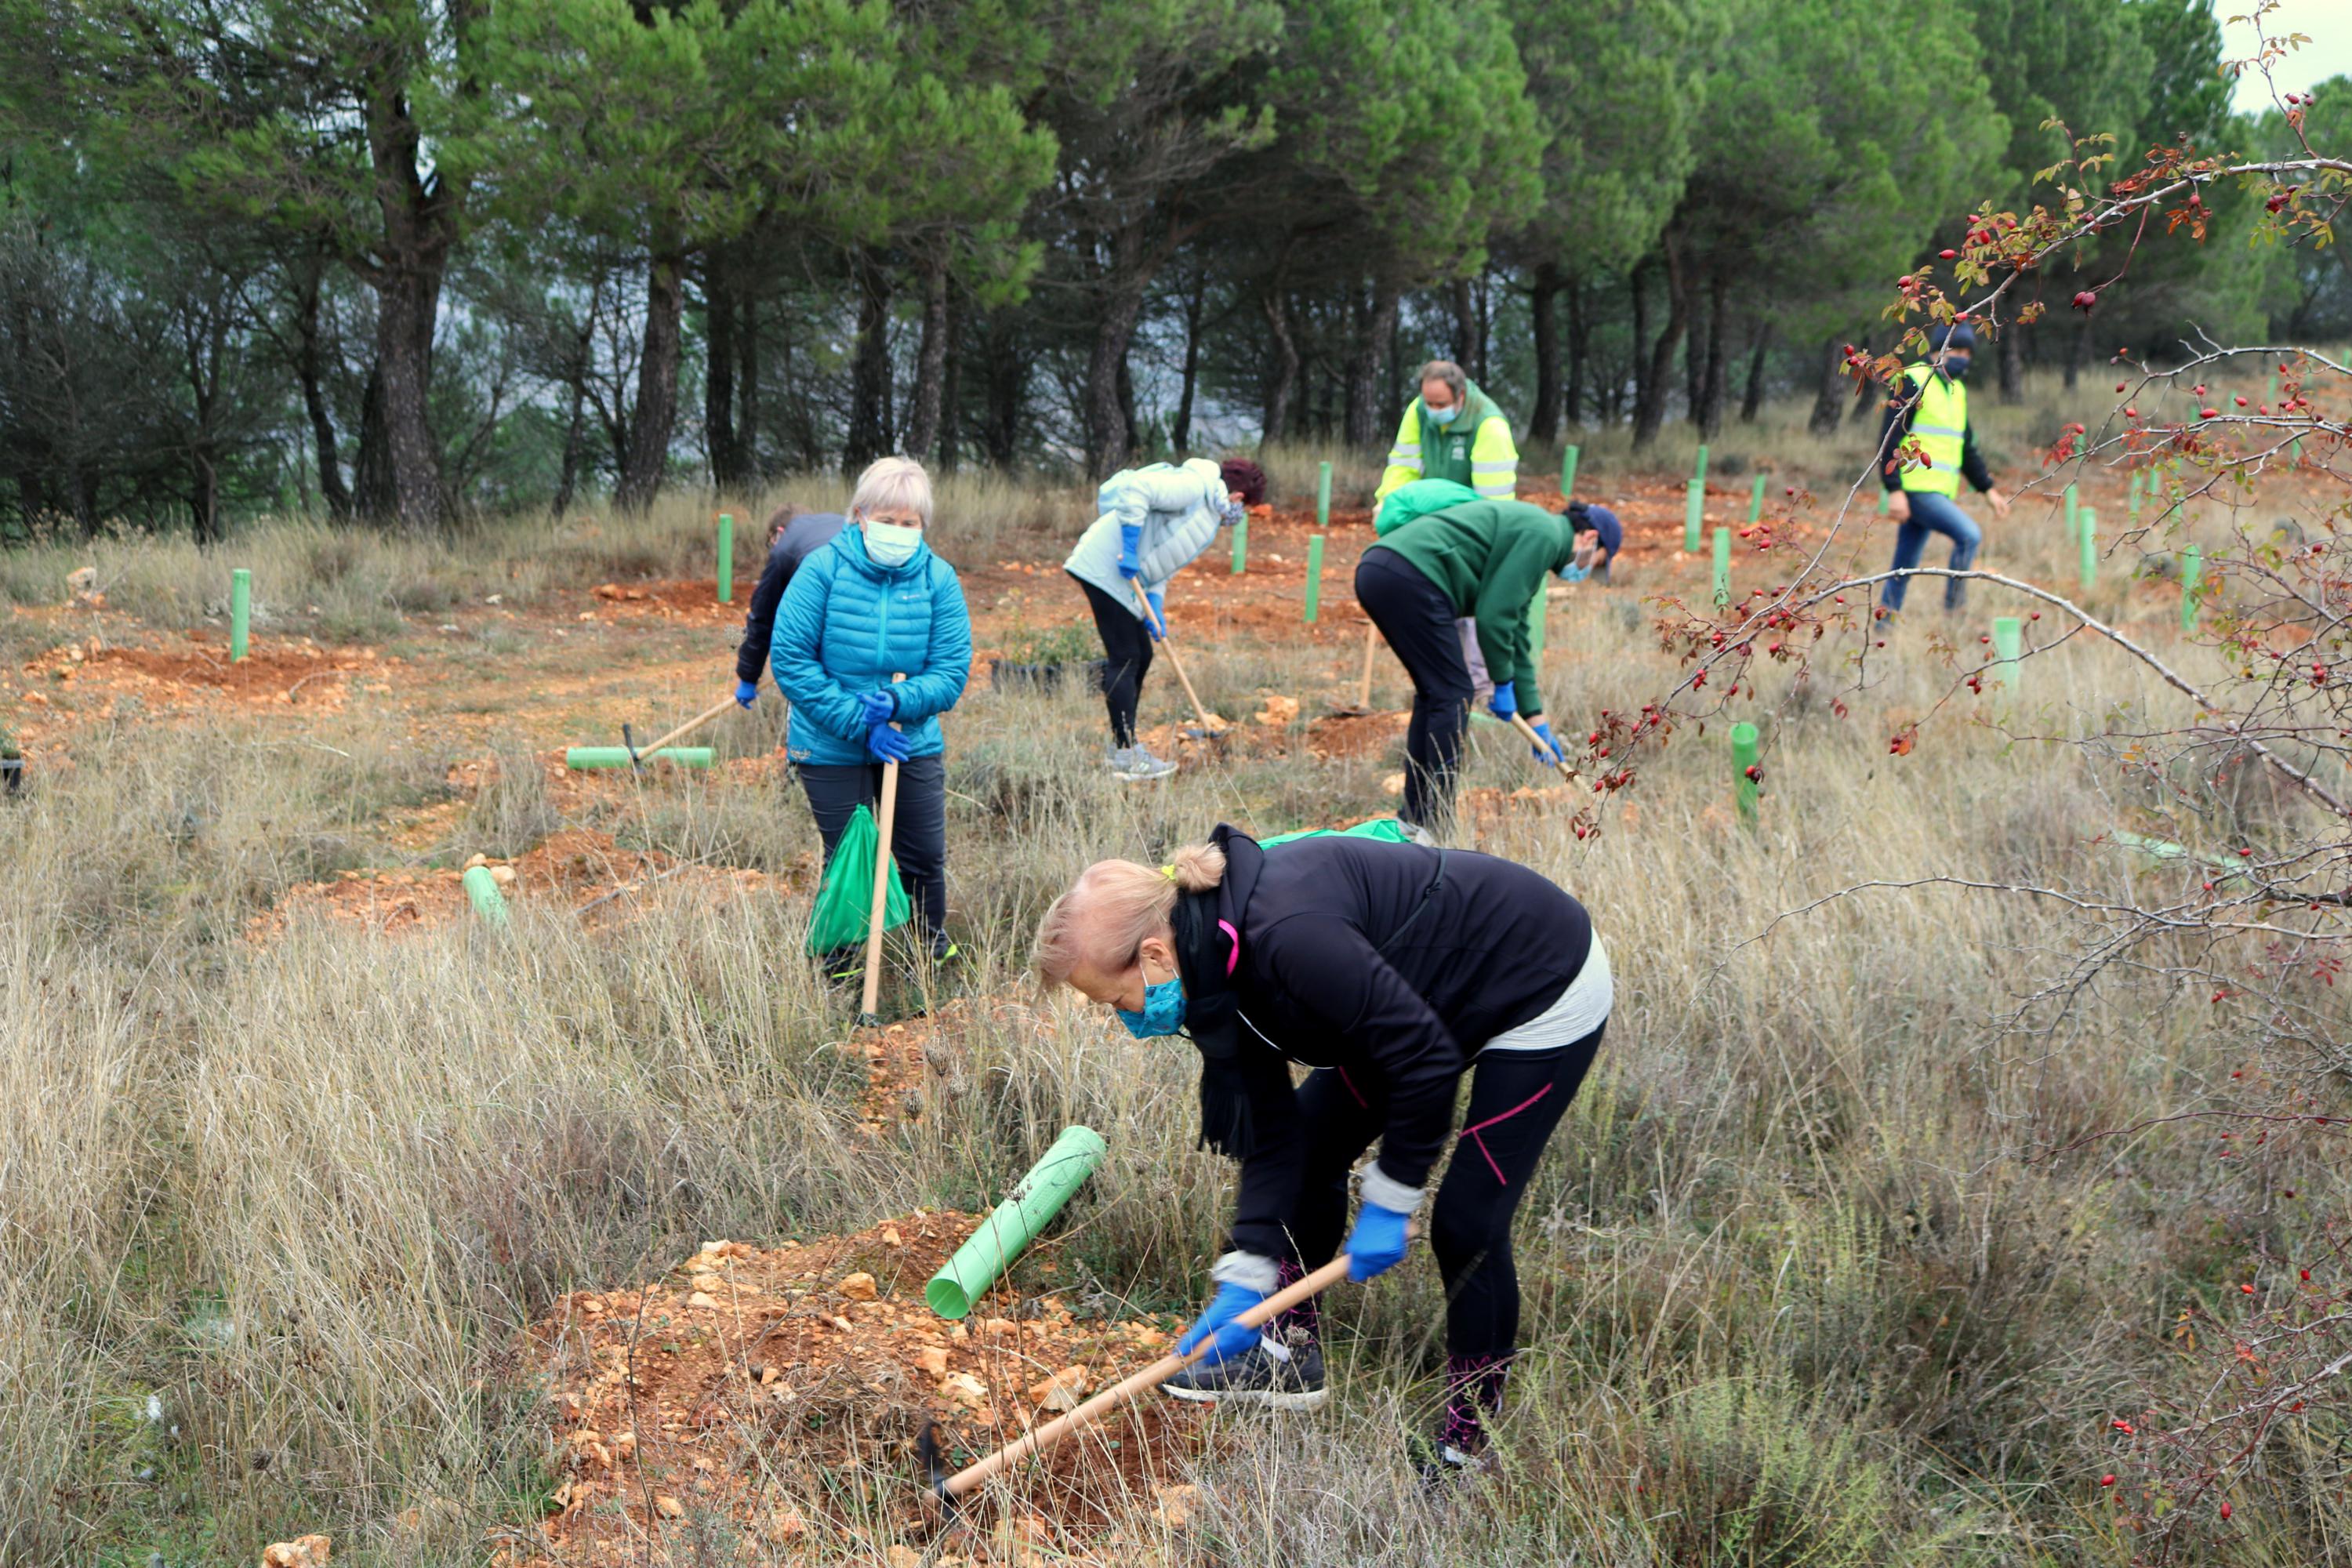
(1445, 415)
(1163, 1009)
(891, 544)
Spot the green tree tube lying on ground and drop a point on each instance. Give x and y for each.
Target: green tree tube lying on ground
(1005, 1235)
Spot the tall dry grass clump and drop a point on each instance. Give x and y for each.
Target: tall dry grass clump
(1814, 1273)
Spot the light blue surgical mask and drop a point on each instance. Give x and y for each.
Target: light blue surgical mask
(1163, 1009)
(891, 543)
(1445, 415)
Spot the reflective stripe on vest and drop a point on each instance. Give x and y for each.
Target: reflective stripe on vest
(1939, 421)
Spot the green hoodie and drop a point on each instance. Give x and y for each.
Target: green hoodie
(1490, 557)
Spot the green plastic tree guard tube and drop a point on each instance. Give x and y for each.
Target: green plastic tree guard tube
(1886, 499)
(2192, 571)
(1313, 575)
(1536, 618)
(1694, 513)
(1005, 1234)
(2008, 647)
(2088, 521)
(1323, 496)
(1744, 788)
(240, 613)
(726, 557)
(581, 759)
(1699, 471)
(1755, 502)
(2073, 515)
(482, 892)
(1241, 547)
(1722, 565)
(1567, 472)
(2132, 500)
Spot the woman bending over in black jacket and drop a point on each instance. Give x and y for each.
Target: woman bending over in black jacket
(1390, 970)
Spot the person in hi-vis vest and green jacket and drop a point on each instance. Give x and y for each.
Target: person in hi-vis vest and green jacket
(1452, 431)
(1922, 497)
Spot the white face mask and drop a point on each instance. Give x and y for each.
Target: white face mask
(891, 543)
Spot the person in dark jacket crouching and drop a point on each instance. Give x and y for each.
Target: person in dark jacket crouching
(795, 533)
(1390, 970)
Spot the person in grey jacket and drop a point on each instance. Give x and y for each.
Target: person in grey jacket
(1152, 521)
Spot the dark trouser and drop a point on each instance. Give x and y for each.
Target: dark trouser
(919, 831)
(1127, 648)
(1517, 1099)
(1933, 513)
(1417, 619)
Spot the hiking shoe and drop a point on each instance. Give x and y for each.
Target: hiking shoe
(1137, 765)
(1254, 1378)
(1414, 833)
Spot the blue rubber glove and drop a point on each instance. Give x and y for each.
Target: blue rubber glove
(885, 744)
(880, 707)
(746, 693)
(1378, 1244)
(1158, 624)
(1130, 541)
(1507, 701)
(1231, 1337)
(1549, 750)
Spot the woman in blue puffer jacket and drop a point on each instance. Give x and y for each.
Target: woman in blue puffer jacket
(873, 605)
(1153, 521)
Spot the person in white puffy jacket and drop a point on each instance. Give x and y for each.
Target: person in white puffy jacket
(1153, 521)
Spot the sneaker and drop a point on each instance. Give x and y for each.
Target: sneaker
(1137, 765)
(1444, 1469)
(1254, 1378)
(1414, 833)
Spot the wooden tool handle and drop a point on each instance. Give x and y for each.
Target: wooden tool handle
(1536, 741)
(689, 728)
(885, 818)
(1043, 1437)
(1372, 642)
(1167, 643)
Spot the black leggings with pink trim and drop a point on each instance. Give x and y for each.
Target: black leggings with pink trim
(1517, 1099)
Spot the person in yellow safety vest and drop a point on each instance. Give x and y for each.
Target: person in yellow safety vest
(1454, 431)
(1933, 408)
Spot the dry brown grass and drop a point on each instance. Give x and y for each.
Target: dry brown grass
(1802, 1287)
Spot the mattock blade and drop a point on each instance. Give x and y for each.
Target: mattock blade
(935, 1473)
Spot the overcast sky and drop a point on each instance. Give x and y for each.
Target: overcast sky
(2329, 53)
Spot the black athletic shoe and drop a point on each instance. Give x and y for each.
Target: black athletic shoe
(1444, 1469)
(1254, 1378)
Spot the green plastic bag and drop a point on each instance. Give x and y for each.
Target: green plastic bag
(847, 897)
(1386, 829)
(1418, 497)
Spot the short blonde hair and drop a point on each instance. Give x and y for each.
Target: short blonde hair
(893, 484)
(1114, 906)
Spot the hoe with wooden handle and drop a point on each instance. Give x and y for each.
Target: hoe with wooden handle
(1535, 741)
(1210, 722)
(945, 1489)
(640, 755)
(886, 820)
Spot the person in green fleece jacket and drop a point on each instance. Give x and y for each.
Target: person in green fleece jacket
(1480, 559)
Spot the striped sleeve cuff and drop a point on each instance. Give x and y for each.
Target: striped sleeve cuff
(1250, 1270)
(1379, 1187)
